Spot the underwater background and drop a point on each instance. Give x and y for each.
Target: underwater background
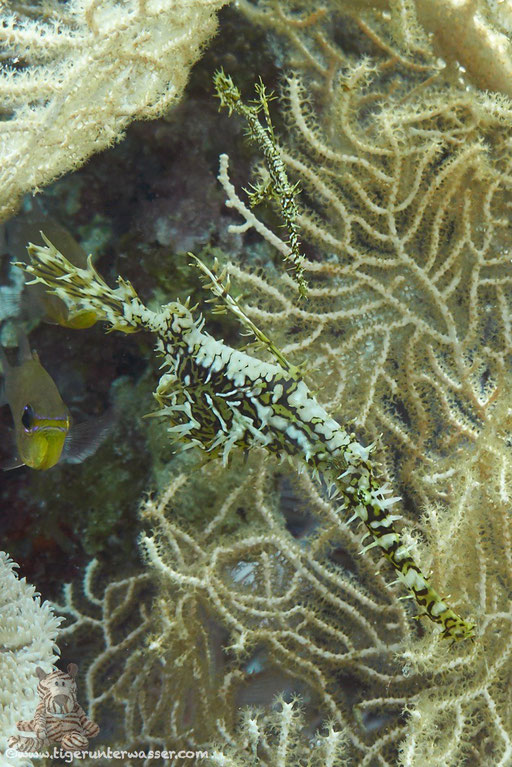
(229, 607)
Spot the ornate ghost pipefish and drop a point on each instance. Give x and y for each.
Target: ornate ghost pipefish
(218, 398)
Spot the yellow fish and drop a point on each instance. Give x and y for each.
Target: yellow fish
(42, 421)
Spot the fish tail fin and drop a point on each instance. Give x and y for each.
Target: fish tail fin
(4, 361)
(25, 353)
(14, 463)
(85, 289)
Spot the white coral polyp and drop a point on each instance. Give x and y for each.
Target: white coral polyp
(28, 630)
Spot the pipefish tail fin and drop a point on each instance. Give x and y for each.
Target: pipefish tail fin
(84, 289)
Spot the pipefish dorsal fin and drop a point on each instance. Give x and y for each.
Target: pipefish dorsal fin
(218, 284)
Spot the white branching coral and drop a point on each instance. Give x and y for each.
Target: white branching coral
(473, 36)
(407, 191)
(28, 630)
(115, 619)
(72, 81)
(408, 208)
(219, 398)
(275, 184)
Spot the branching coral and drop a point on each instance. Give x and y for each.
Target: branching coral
(28, 630)
(468, 719)
(275, 185)
(409, 208)
(72, 81)
(244, 610)
(408, 215)
(274, 740)
(115, 619)
(472, 35)
(408, 193)
(220, 398)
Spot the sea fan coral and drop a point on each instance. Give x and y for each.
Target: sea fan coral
(76, 75)
(245, 610)
(274, 740)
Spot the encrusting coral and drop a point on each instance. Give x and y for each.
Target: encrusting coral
(28, 630)
(75, 75)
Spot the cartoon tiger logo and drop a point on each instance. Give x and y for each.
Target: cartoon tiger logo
(58, 717)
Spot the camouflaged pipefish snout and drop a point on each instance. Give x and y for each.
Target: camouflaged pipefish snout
(219, 398)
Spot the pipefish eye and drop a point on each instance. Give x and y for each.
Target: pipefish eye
(27, 419)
